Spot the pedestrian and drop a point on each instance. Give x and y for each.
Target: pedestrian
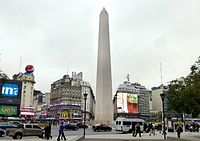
(197, 127)
(179, 129)
(133, 129)
(46, 132)
(61, 132)
(138, 130)
(49, 128)
(152, 130)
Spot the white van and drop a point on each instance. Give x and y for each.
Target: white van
(125, 124)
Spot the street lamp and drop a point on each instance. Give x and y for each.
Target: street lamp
(162, 95)
(85, 98)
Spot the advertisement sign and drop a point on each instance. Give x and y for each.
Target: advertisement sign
(10, 97)
(127, 103)
(10, 92)
(8, 110)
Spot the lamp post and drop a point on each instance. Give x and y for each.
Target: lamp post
(85, 98)
(162, 95)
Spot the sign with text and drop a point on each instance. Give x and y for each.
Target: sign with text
(10, 90)
(10, 95)
(8, 110)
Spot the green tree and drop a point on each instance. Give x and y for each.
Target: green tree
(184, 93)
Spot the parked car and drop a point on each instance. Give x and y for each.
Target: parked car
(101, 127)
(70, 127)
(81, 125)
(2, 132)
(26, 130)
(6, 125)
(16, 122)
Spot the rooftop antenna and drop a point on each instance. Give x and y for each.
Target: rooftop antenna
(128, 77)
(20, 64)
(161, 77)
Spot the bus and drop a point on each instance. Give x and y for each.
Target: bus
(125, 124)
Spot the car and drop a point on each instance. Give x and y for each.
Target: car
(2, 132)
(16, 122)
(101, 127)
(6, 125)
(70, 127)
(81, 125)
(26, 130)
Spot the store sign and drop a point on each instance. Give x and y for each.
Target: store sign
(8, 110)
(10, 90)
(64, 114)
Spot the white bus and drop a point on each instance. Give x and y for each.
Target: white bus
(125, 124)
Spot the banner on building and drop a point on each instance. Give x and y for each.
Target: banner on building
(127, 103)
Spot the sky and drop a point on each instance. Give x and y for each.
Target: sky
(59, 37)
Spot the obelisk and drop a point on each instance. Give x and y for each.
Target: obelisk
(104, 106)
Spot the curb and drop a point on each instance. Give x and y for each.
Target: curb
(78, 138)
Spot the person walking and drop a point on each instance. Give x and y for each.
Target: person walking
(133, 129)
(179, 129)
(152, 130)
(61, 132)
(46, 132)
(138, 130)
(49, 128)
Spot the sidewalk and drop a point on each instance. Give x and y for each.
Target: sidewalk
(188, 136)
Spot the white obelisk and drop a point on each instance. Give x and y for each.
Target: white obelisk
(104, 104)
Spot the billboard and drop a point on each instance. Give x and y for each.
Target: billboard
(10, 97)
(8, 110)
(127, 103)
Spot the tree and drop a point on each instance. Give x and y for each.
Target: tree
(184, 93)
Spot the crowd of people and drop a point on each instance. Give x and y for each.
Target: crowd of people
(151, 128)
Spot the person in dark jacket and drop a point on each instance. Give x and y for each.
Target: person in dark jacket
(49, 128)
(137, 130)
(61, 132)
(179, 129)
(46, 132)
(133, 129)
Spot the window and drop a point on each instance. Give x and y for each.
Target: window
(119, 122)
(36, 127)
(126, 123)
(28, 126)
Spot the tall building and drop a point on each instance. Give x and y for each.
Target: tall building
(131, 99)
(38, 101)
(90, 101)
(28, 81)
(66, 98)
(104, 107)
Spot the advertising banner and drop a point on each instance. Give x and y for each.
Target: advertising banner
(8, 110)
(11, 92)
(127, 103)
(10, 97)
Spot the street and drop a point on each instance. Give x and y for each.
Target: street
(79, 132)
(113, 136)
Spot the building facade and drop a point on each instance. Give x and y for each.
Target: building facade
(131, 99)
(28, 81)
(66, 98)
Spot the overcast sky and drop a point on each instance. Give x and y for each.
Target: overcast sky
(61, 36)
